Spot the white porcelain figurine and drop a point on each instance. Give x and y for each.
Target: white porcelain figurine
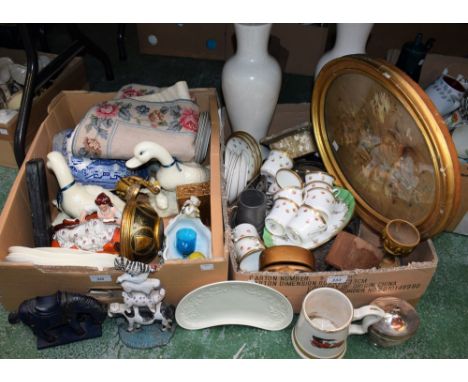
(75, 197)
(172, 172)
(140, 292)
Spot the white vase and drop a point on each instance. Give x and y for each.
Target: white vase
(251, 81)
(350, 39)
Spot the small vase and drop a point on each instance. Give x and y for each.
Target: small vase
(251, 81)
(350, 39)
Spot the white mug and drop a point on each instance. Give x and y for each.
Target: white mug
(282, 212)
(276, 160)
(324, 323)
(446, 93)
(305, 225)
(243, 230)
(319, 176)
(321, 199)
(248, 251)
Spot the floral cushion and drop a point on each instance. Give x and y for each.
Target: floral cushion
(113, 128)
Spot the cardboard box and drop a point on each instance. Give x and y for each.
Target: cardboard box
(73, 77)
(432, 68)
(22, 281)
(206, 41)
(408, 282)
(297, 47)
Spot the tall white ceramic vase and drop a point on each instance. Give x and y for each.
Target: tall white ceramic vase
(251, 81)
(350, 39)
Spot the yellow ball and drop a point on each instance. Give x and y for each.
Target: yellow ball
(196, 255)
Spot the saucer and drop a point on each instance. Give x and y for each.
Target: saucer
(234, 303)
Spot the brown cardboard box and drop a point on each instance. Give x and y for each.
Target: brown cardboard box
(297, 47)
(184, 40)
(73, 77)
(19, 282)
(432, 68)
(408, 282)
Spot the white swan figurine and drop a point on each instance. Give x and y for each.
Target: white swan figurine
(171, 173)
(76, 197)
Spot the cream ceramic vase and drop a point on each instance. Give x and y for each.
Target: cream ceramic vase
(350, 39)
(251, 81)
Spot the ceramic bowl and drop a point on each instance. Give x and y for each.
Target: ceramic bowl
(400, 237)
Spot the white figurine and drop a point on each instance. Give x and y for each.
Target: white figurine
(76, 197)
(172, 173)
(140, 291)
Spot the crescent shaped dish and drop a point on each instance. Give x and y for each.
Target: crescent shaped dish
(234, 303)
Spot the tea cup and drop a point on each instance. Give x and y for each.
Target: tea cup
(275, 161)
(282, 212)
(286, 178)
(317, 184)
(294, 194)
(321, 199)
(248, 251)
(319, 176)
(307, 223)
(325, 322)
(243, 230)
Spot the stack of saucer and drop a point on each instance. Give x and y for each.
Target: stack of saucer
(242, 162)
(202, 139)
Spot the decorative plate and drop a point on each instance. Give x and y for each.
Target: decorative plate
(337, 222)
(382, 138)
(234, 303)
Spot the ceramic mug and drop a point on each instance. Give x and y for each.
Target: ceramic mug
(243, 230)
(321, 199)
(248, 251)
(317, 184)
(319, 176)
(283, 211)
(294, 194)
(325, 322)
(276, 160)
(307, 223)
(252, 208)
(446, 93)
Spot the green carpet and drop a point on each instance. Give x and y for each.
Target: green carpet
(443, 309)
